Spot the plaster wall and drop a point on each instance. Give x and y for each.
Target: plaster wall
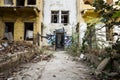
(59, 5)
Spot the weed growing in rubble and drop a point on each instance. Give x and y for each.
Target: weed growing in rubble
(74, 48)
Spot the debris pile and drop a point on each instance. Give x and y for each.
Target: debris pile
(13, 53)
(13, 47)
(105, 64)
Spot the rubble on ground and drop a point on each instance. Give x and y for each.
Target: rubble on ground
(106, 64)
(13, 53)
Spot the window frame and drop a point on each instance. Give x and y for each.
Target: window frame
(8, 4)
(53, 14)
(63, 14)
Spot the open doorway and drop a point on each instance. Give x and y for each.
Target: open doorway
(28, 31)
(20, 2)
(59, 40)
(9, 30)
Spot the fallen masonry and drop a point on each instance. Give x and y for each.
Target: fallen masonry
(13, 53)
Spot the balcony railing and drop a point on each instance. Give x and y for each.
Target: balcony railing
(18, 3)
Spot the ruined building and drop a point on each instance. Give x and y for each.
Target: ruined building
(87, 14)
(60, 19)
(20, 20)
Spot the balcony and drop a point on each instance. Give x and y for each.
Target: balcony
(19, 6)
(18, 3)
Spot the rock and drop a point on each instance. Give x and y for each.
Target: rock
(54, 75)
(93, 59)
(116, 55)
(102, 66)
(112, 74)
(116, 66)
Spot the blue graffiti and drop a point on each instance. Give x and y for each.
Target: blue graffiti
(51, 38)
(68, 41)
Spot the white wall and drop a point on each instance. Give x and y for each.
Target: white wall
(61, 5)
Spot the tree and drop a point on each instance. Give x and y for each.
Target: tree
(109, 14)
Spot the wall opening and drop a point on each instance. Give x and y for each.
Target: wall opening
(9, 30)
(31, 2)
(59, 40)
(28, 31)
(20, 2)
(8, 2)
(54, 16)
(65, 17)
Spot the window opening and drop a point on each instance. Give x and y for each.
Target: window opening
(9, 30)
(28, 31)
(65, 17)
(8, 2)
(20, 2)
(31, 2)
(54, 16)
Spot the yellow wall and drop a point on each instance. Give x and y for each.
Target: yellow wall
(1, 29)
(90, 14)
(19, 30)
(19, 18)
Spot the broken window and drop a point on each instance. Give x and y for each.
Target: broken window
(8, 2)
(20, 2)
(65, 17)
(54, 16)
(9, 30)
(28, 31)
(31, 2)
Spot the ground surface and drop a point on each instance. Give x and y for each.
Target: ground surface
(60, 67)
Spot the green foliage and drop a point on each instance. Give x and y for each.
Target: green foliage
(109, 15)
(74, 48)
(116, 14)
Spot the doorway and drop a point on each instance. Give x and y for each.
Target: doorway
(9, 30)
(28, 31)
(59, 40)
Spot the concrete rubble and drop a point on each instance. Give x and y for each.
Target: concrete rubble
(107, 67)
(13, 53)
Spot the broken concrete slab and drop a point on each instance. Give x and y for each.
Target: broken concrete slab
(15, 53)
(103, 64)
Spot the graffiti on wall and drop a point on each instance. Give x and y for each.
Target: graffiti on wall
(68, 41)
(52, 37)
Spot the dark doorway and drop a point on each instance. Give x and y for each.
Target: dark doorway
(59, 40)
(9, 30)
(28, 31)
(20, 2)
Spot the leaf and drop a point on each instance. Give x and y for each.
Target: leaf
(116, 14)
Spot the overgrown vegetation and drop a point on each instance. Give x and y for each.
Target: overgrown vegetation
(74, 48)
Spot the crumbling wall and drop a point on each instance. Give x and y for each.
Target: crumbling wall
(19, 16)
(19, 25)
(13, 53)
(59, 5)
(19, 30)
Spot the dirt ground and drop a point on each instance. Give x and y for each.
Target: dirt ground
(60, 67)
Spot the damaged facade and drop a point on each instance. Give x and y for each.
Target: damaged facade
(60, 19)
(85, 15)
(20, 20)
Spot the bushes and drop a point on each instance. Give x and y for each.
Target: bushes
(74, 48)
